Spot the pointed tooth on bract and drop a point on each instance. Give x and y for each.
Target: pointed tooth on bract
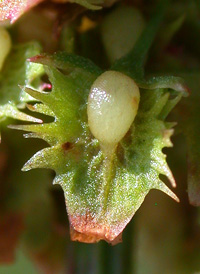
(24, 117)
(39, 160)
(41, 108)
(167, 172)
(44, 131)
(63, 82)
(159, 105)
(42, 58)
(171, 103)
(12, 111)
(42, 96)
(167, 143)
(170, 125)
(31, 135)
(50, 157)
(159, 163)
(32, 128)
(66, 94)
(44, 137)
(161, 186)
(167, 133)
(162, 167)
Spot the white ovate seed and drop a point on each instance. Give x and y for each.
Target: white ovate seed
(5, 45)
(112, 106)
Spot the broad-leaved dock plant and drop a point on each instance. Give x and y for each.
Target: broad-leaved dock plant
(107, 133)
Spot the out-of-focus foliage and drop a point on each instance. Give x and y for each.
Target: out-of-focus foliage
(25, 205)
(190, 125)
(18, 71)
(116, 22)
(11, 10)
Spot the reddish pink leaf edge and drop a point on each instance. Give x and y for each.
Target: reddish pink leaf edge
(12, 9)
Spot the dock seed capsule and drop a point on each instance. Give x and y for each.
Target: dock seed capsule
(112, 106)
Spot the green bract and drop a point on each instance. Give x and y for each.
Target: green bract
(103, 193)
